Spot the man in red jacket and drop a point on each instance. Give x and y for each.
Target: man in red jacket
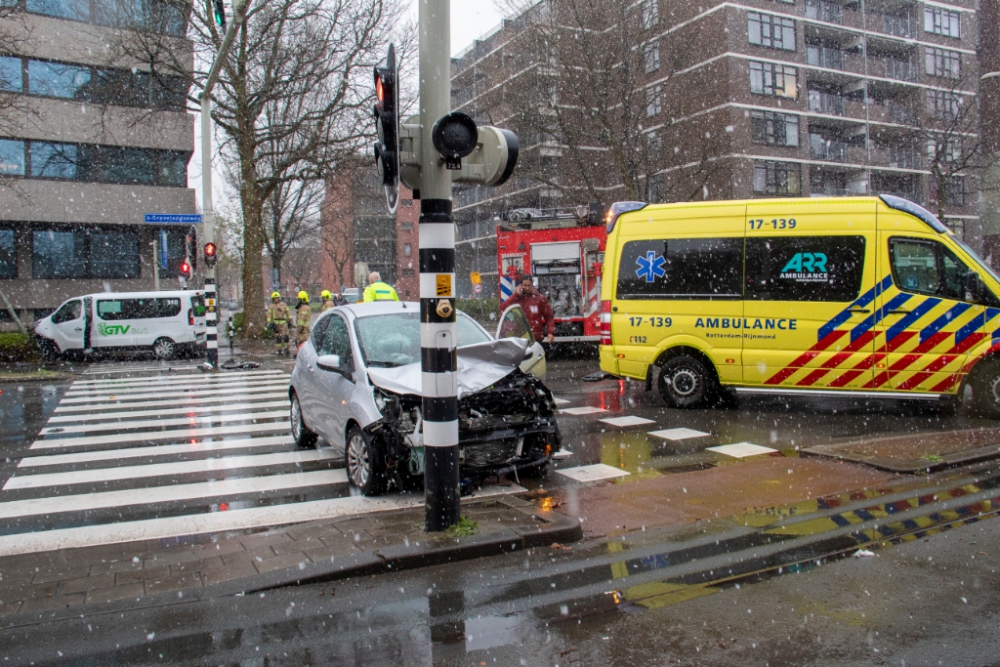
(536, 307)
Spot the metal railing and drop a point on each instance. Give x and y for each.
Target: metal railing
(828, 150)
(821, 56)
(900, 70)
(899, 26)
(828, 103)
(824, 11)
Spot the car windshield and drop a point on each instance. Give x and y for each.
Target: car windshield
(394, 339)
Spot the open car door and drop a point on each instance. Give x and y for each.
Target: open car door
(514, 324)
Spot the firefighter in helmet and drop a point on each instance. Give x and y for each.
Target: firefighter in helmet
(277, 321)
(303, 319)
(328, 301)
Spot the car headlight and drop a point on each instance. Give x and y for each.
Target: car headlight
(379, 401)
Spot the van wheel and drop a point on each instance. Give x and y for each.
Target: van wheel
(300, 432)
(365, 461)
(164, 349)
(986, 390)
(685, 382)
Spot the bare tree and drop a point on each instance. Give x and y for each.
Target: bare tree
(598, 95)
(293, 98)
(291, 217)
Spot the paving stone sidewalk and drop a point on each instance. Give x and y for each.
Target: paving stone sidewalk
(138, 574)
(918, 453)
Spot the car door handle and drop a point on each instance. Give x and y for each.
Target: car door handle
(899, 311)
(78, 329)
(863, 311)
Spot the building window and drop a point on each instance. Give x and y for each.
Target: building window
(85, 253)
(8, 254)
(654, 144)
(650, 14)
(942, 62)
(161, 16)
(11, 157)
(941, 21)
(651, 57)
(954, 190)
(774, 32)
(409, 272)
(774, 129)
(58, 80)
(944, 104)
(945, 149)
(407, 226)
(11, 74)
(773, 80)
(776, 178)
(407, 249)
(805, 268)
(654, 100)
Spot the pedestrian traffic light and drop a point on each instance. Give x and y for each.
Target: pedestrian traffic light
(211, 255)
(387, 125)
(220, 13)
(185, 269)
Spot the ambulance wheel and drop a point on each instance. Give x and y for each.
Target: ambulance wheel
(685, 382)
(986, 389)
(164, 349)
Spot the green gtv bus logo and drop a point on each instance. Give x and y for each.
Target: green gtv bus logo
(113, 329)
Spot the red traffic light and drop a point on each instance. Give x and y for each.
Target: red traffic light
(185, 269)
(379, 89)
(209, 249)
(211, 254)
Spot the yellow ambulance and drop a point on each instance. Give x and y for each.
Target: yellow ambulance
(857, 296)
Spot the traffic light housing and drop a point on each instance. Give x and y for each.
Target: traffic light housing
(386, 114)
(219, 10)
(184, 270)
(211, 254)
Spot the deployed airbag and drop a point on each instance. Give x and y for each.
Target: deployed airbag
(479, 366)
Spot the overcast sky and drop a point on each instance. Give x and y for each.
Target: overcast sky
(470, 19)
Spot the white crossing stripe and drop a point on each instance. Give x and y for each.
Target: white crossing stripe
(164, 469)
(593, 473)
(174, 434)
(171, 383)
(87, 407)
(166, 379)
(172, 390)
(154, 423)
(216, 522)
(171, 493)
(154, 450)
(192, 410)
(205, 393)
(102, 370)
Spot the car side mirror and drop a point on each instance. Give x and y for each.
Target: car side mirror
(330, 362)
(973, 287)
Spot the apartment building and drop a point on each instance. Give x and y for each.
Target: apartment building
(89, 144)
(755, 98)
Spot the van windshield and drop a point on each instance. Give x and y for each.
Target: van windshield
(979, 260)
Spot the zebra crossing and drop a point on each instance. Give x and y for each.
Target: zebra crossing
(164, 456)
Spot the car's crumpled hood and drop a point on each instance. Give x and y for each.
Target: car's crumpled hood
(479, 366)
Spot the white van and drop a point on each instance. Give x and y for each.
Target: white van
(167, 322)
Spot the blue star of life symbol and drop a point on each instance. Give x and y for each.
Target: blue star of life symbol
(650, 266)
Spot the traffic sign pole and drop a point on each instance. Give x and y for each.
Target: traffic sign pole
(437, 277)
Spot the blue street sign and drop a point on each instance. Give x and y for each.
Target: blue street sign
(173, 219)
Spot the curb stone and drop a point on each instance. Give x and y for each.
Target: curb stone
(395, 558)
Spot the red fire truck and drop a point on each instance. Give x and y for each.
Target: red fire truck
(563, 249)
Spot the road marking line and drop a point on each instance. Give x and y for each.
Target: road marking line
(742, 450)
(163, 469)
(174, 434)
(678, 434)
(115, 405)
(172, 493)
(111, 396)
(153, 450)
(593, 473)
(582, 411)
(560, 401)
(217, 522)
(623, 422)
(177, 378)
(561, 454)
(132, 369)
(156, 384)
(101, 416)
(155, 423)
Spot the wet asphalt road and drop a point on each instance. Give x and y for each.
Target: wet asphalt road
(928, 602)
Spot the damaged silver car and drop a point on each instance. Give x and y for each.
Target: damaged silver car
(357, 383)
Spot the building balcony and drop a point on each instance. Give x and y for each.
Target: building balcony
(827, 190)
(828, 150)
(826, 103)
(821, 56)
(828, 12)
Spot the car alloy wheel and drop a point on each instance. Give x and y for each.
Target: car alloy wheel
(164, 348)
(365, 461)
(300, 432)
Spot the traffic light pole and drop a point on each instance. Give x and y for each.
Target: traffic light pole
(437, 277)
(207, 210)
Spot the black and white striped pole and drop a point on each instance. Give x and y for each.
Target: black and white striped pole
(437, 277)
